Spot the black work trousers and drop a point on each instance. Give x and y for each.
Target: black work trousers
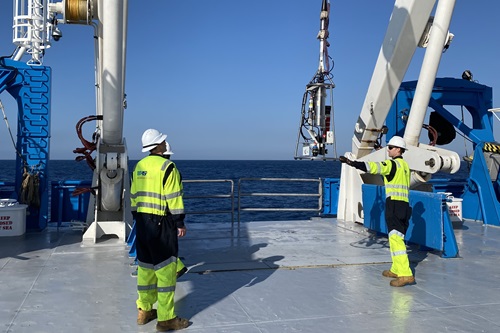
(397, 215)
(156, 238)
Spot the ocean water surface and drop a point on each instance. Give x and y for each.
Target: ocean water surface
(238, 171)
(225, 171)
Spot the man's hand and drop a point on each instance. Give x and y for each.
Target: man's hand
(344, 159)
(181, 232)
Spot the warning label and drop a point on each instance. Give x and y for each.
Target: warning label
(5, 223)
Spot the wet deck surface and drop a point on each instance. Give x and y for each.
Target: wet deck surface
(298, 276)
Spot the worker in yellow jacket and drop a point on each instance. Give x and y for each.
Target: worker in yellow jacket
(396, 175)
(158, 208)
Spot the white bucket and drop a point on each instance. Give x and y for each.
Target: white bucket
(12, 218)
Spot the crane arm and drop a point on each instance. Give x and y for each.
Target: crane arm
(406, 26)
(410, 26)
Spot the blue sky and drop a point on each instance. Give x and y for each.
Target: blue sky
(224, 79)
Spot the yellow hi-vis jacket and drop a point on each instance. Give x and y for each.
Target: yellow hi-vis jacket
(397, 182)
(157, 188)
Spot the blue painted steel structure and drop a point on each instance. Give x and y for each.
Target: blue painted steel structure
(430, 223)
(482, 191)
(64, 205)
(482, 194)
(330, 196)
(132, 252)
(475, 97)
(30, 86)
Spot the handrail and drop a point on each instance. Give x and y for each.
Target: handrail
(65, 187)
(241, 194)
(229, 195)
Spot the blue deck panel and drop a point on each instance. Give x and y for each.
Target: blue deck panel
(429, 226)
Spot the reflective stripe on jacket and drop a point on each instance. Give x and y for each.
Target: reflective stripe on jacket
(397, 187)
(156, 187)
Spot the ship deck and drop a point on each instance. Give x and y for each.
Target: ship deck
(319, 275)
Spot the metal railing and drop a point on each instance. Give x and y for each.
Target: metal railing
(242, 194)
(213, 196)
(73, 207)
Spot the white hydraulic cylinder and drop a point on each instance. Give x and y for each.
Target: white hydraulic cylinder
(428, 72)
(113, 32)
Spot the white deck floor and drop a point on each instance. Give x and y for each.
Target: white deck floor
(273, 277)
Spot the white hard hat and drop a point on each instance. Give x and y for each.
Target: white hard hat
(151, 138)
(168, 151)
(397, 141)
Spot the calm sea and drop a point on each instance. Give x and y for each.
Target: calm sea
(235, 171)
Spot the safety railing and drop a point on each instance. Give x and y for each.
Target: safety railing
(226, 195)
(204, 197)
(268, 195)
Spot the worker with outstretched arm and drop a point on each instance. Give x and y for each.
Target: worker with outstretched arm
(396, 175)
